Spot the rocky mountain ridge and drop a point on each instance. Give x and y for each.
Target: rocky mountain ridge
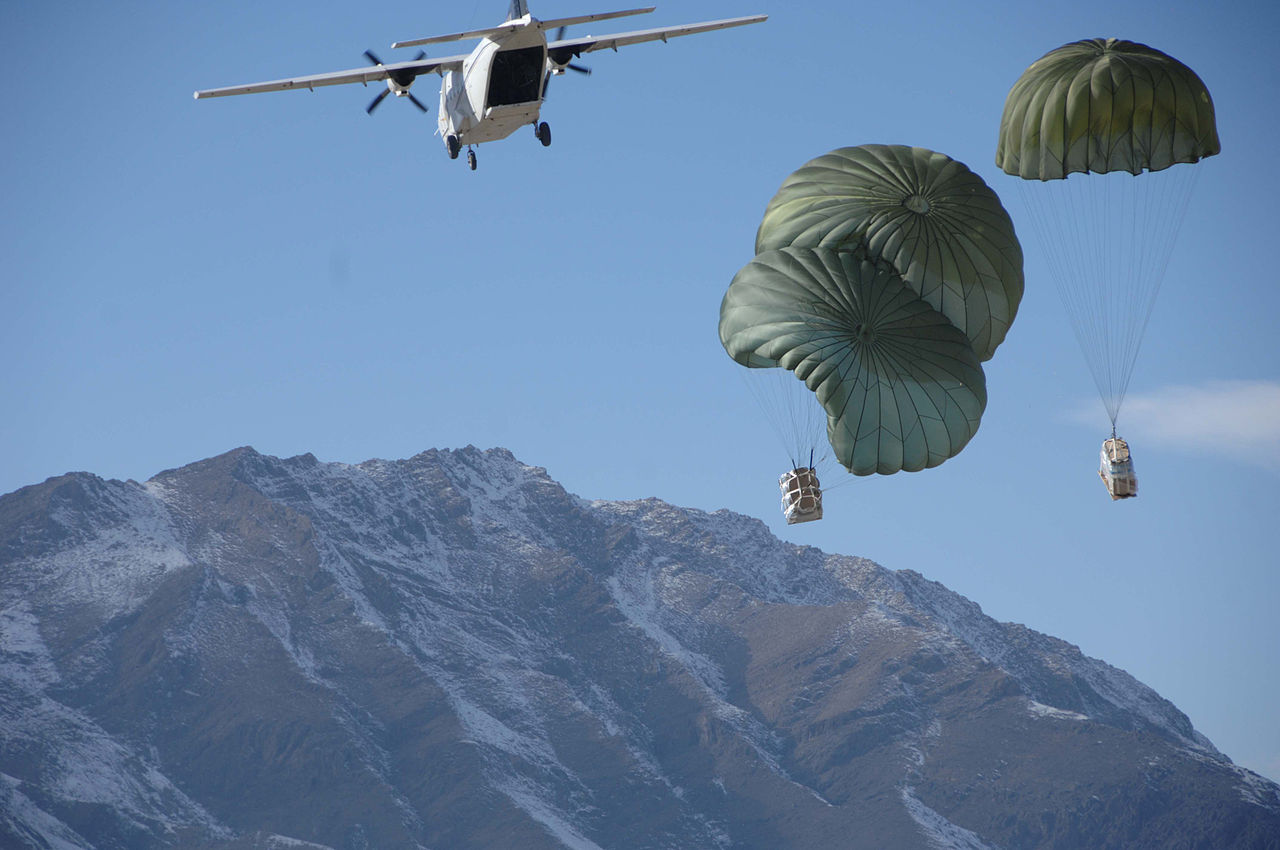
(453, 651)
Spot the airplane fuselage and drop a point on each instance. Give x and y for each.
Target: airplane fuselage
(499, 88)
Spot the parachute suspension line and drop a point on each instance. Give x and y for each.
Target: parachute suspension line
(798, 420)
(1167, 196)
(792, 411)
(1107, 240)
(1061, 228)
(1159, 206)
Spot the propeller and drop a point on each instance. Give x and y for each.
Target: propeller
(403, 80)
(581, 69)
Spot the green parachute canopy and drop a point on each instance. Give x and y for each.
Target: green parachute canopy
(933, 220)
(1105, 104)
(902, 387)
(1114, 116)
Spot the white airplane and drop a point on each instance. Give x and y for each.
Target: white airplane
(498, 87)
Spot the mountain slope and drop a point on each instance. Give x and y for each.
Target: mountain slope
(452, 651)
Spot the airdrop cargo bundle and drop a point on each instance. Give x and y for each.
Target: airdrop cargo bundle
(801, 495)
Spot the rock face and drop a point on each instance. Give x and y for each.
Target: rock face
(451, 651)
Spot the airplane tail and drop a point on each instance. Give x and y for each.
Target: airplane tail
(519, 8)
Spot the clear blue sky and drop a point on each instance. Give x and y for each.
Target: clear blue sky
(280, 270)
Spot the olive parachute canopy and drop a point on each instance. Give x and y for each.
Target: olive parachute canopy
(933, 220)
(901, 385)
(1116, 117)
(1105, 104)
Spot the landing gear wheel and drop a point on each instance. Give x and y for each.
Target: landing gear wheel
(454, 146)
(544, 134)
(471, 160)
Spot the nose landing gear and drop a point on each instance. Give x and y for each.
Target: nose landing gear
(544, 134)
(471, 159)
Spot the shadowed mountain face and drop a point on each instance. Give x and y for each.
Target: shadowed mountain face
(451, 651)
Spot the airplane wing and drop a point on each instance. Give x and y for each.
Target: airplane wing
(460, 36)
(402, 72)
(512, 27)
(589, 19)
(562, 51)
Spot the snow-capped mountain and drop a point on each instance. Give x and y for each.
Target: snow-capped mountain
(451, 651)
